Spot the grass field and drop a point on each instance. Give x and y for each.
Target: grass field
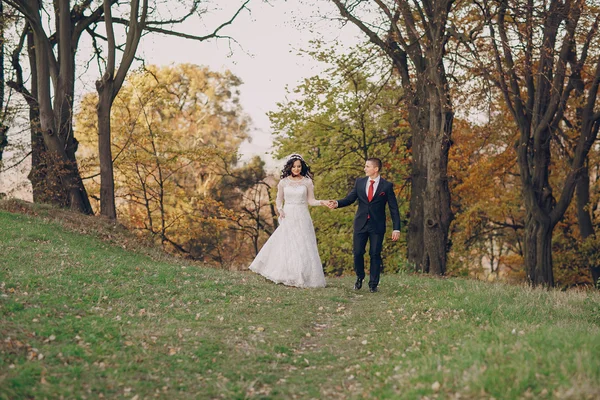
(89, 315)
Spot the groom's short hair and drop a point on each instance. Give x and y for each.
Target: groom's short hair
(376, 161)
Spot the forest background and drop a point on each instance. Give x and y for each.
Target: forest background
(513, 92)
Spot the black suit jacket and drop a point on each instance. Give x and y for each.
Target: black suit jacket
(375, 209)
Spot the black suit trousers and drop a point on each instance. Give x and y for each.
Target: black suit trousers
(361, 237)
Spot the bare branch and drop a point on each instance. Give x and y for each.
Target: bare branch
(16, 164)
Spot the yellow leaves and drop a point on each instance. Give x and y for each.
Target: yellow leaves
(174, 132)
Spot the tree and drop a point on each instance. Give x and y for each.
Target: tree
(173, 130)
(413, 34)
(54, 61)
(54, 88)
(487, 231)
(249, 191)
(109, 85)
(340, 118)
(44, 175)
(3, 127)
(543, 59)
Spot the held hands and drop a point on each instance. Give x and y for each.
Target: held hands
(332, 204)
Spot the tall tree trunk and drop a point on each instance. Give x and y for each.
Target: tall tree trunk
(3, 128)
(584, 219)
(586, 226)
(79, 201)
(107, 182)
(539, 203)
(50, 128)
(37, 175)
(436, 211)
(108, 87)
(538, 251)
(419, 123)
(63, 107)
(45, 185)
(44, 174)
(431, 118)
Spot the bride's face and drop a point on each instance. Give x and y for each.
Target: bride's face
(296, 168)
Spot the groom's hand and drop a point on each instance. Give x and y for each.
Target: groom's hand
(395, 236)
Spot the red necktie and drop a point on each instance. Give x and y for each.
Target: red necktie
(370, 193)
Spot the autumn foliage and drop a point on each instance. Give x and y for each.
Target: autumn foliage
(175, 132)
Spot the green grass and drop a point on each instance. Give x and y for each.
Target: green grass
(82, 317)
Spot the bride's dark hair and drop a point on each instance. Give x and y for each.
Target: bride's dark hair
(287, 168)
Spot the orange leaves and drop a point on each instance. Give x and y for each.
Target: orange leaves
(175, 134)
(486, 197)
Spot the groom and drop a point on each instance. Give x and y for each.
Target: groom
(373, 193)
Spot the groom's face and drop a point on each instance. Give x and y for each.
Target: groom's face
(371, 169)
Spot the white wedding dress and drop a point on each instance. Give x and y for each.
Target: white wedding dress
(290, 256)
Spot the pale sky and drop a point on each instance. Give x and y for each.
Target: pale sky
(265, 57)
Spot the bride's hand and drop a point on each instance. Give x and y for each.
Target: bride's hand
(331, 204)
(281, 214)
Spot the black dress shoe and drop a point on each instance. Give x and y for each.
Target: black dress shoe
(373, 289)
(358, 284)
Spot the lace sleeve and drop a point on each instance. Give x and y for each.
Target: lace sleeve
(279, 198)
(310, 193)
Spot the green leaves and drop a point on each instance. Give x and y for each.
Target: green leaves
(337, 120)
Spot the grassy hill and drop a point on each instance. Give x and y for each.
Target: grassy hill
(87, 312)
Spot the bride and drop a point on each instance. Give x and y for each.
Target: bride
(290, 255)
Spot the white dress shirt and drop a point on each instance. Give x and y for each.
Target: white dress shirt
(374, 185)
